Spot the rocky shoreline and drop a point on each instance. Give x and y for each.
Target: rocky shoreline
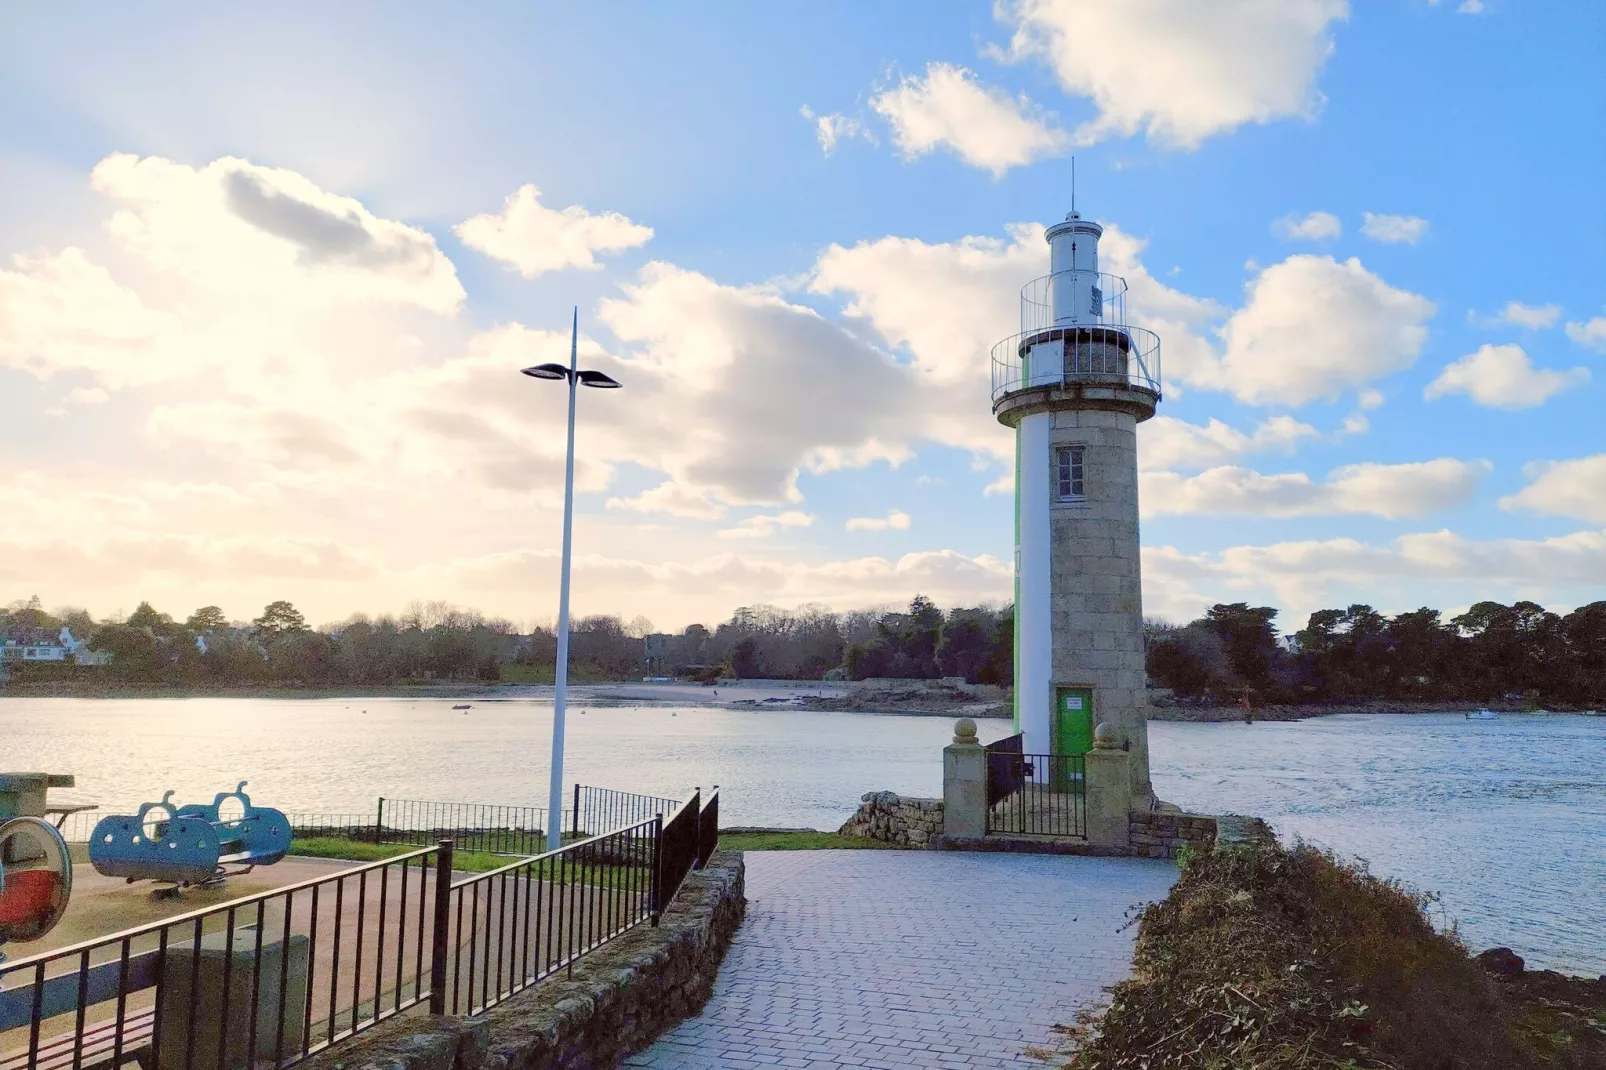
(1280, 712)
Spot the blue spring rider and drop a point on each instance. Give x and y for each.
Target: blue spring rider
(190, 844)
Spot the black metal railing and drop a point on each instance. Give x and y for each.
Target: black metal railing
(677, 851)
(1037, 794)
(514, 926)
(708, 828)
(269, 979)
(488, 827)
(266, 979)
(336, 826)
(496, 829)
(1004, 768)
(76, 827)
(599, 809)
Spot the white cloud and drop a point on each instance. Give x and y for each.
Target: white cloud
(92, 395)
(535, 239)
(1355, 423)
(1369, 398)
(763, 526)
(835, 127)
(707, 588)
(1387, 490)
(811, 395)
(82, 396)
(1318, 226)
(1166, 442)
(671, 498)
(1471, 7)
(270, 234)
(1004, 484)
(1314, 327)
(63, 313)
(1502, 377)
(1179, 70)
(947, 303)
(895, 520)
(1591, 334)
(1517, 314)
(1311, 326)
(116, 557)
(1393, 229)
(1575, 488)
(985, 127)
(1308, 574)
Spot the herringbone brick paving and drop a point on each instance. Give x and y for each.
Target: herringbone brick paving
(911, 960)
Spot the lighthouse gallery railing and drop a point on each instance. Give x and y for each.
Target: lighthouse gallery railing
(1087, 345)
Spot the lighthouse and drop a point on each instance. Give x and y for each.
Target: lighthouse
(1074, 384)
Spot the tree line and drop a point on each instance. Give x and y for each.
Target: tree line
(1234, 651)
(1490, 652)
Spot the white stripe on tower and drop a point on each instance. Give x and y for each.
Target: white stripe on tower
(1033, 632)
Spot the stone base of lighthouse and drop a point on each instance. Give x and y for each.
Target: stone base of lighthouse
(1079, 615)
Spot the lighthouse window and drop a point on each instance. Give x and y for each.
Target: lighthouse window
(1068, 473)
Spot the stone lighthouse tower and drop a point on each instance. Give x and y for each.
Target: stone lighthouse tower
(1074, 384)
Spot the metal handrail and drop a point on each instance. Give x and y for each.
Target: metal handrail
(12, 965)
(1037, 300)
(1125, 355)
(572, 846)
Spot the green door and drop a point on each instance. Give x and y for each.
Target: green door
(1073, 720)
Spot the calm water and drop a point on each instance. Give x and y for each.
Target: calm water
(1506, 819)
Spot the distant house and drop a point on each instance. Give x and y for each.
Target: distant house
(30, 645)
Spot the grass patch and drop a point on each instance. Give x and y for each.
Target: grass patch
(362, 851)
(1268, 957)
(801, 841)
(596, 873)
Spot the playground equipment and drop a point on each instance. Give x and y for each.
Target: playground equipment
(190, 844)
(35, 879)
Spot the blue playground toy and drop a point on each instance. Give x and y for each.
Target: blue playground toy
(190, 844)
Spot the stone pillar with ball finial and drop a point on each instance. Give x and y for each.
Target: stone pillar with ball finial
(964, 784)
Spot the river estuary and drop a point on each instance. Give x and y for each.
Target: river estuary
(1504, 819)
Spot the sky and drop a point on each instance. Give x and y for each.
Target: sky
(268, 273)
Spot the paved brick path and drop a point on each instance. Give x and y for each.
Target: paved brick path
(911, 960)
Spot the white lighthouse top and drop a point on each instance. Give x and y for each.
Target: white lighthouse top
(1074, 245)
(1074, 329)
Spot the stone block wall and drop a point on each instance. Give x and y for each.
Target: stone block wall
(618, 1000)
(1162, 833)
(892, 818)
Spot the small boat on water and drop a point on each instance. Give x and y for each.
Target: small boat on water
(1481, 715)
(463, 706)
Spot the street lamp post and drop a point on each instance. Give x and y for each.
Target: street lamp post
(575, 378)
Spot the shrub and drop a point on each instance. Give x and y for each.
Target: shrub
(1264, 956)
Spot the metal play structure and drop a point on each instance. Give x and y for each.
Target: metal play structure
(190, 845)
(35, 879)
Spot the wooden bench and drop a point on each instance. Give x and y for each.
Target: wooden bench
(99, 1051)
(100, 985)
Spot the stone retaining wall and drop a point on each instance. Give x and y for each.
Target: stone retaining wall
(619, 999)
(1162, 833)
(892, 818)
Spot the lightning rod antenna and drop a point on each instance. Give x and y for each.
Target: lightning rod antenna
(1073, 183)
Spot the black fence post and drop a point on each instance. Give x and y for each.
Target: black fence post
(657, 864)
(439, 942)
(576, 811)
(379, 821)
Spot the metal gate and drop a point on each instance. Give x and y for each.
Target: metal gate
(1035, 794)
